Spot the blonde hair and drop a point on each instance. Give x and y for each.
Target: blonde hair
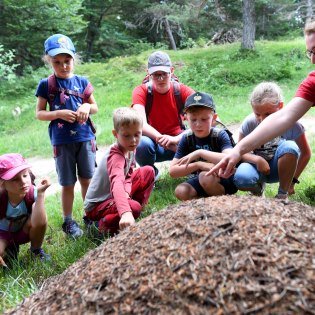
(309, 28)
(48, 59)
(126, 116)
(266, 93)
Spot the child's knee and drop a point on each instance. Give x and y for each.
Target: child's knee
(288, 148)
(206, 181)
(185, 192)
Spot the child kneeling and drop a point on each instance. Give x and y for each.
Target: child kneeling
(22, 213)
(197, 152)
(282, 159)
(117, 192)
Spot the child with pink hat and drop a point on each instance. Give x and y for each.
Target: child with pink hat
(23, 217)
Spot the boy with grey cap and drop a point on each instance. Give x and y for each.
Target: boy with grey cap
(162, 127)
(196, 153)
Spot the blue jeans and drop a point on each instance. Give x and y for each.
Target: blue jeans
(247, 175)
(149, 152)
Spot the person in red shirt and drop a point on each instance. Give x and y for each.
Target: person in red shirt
(280, 121)
(117, 192)
(162, 129)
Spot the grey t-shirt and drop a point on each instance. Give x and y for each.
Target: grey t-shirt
(268, 149)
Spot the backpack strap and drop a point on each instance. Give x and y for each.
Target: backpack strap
(179, 103)
(190, 141)
(214, 139)
(178, 100)
(149, 101)
(29, 199)
(3, 203)
(53, 90)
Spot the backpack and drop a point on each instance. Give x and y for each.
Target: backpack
(214, 139)
(53, 90)
(29, 200)
(177, 95)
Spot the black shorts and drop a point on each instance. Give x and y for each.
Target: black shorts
(227, 183)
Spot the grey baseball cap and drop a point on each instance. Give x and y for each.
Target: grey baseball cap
(159, 61)
(199, 99)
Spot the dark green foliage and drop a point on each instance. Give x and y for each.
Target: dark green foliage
(310, 192)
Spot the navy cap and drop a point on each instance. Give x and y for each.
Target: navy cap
(200, 99)
(59, 44)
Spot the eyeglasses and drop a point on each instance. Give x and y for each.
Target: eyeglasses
(159, 76)
(309, 53)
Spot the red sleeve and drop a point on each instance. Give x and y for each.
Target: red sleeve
(139, 95)
(307, 88)
(120, 184)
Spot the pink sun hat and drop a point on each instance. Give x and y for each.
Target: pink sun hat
(11, 164)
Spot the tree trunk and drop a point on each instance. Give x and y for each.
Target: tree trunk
(249, 26)
(309, 11)
(170, 34)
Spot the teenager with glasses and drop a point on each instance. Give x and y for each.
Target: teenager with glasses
(162, 128)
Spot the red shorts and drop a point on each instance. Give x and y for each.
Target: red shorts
(17, 238)
(106, 212)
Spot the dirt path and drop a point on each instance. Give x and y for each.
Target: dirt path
(46, 167)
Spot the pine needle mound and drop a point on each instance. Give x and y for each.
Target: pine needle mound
(219, 255)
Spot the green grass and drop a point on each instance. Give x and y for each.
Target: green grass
(222, 71)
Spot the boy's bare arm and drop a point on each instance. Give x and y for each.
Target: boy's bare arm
(261, 164)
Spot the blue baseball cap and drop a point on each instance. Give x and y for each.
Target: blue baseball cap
(59, 44)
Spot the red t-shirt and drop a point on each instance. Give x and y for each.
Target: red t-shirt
(306, 89)
(163, 116)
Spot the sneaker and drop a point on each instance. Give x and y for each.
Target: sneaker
(92, 228)
(39, 253)
(71, 228)
(259, 190)
(283, 197)
(157, 174)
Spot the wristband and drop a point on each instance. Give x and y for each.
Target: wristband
(295, 180)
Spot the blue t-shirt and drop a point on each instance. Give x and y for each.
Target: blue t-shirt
(61, 131)
(20, 210)
(183, 148)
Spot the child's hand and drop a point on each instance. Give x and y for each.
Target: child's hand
(2, 263)
(67, 115)
(167, 142)
(191, 157)
(263, 166)
(83, 113)
(126, 220)
(44, 184)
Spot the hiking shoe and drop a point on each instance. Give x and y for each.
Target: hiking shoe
(39, 253)
(157, 174)
(92, 228)
(259, 190)
(12, 251)
(283, 197)
(71, 228)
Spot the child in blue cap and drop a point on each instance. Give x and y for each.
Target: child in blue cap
(67, 101)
